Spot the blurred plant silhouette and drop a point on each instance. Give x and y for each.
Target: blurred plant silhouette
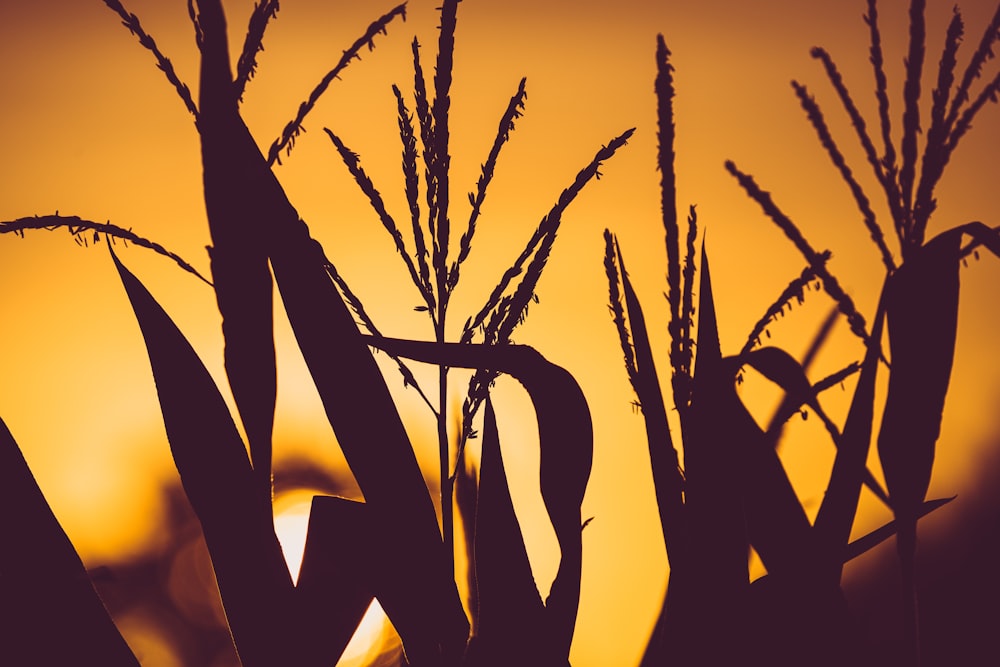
(731, 493)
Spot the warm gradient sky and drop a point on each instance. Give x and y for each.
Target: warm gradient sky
(91, 128)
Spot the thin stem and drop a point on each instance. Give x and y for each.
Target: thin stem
(816, 260)
(131, 21)
(287, 139)
(826, 139)
(366, 321)
(253, 44)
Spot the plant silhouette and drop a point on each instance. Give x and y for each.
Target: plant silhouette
(720, 486)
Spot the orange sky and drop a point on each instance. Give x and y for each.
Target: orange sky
(91, 128)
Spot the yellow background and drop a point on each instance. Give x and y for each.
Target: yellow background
(90, 128)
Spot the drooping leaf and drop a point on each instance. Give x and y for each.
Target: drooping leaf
(511, 615)
(565, 434)
(51, 612)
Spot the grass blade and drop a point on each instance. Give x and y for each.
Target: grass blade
(922, 311)
(368, 427)
(566, 439)
(667, 480)
(511, 613)
(51, 612)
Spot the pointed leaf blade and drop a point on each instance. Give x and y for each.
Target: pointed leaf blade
(52, 614)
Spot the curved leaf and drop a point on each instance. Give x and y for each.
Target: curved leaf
(51, 612)
(566, 439)
(511, 614)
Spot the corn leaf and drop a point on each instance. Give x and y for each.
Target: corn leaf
(511, 613)
(876, 537)
(51, 612)
(254, 582)
(337, 579)
(840, 502)
(807, 621)
(777, 525)
(240, 272)
(922, 317)
(781, 368)
(353, 392)
(566, 439)
(709, 594)
(663, 458)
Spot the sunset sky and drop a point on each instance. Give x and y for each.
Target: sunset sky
(92, 128)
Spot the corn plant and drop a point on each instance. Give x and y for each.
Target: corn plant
(404, 562)
(434, 266)
(920, 295)
(733, 492)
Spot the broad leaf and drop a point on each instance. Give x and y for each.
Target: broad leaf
(210, 456)
(237, 221)
(511, 615)
(51, 613)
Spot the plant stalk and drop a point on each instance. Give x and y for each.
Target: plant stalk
(444, 451)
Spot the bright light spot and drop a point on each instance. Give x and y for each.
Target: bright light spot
(368, 639)
(291, 522)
